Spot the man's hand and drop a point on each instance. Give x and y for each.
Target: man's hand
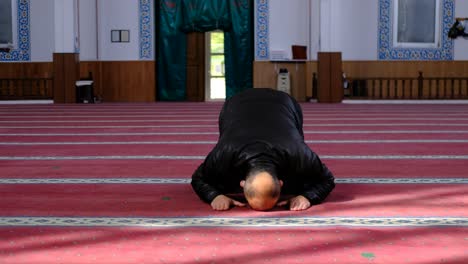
(297, 203)
(222, 202)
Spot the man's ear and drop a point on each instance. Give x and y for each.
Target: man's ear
(281, 183)
(242, 183)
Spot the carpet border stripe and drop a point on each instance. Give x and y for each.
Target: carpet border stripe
(216, 133)
(188, 180)
(202, 142)
(192, 126)
(233, 222)
(169, 157)
(208, 113)
(213, 119)
(306, 126)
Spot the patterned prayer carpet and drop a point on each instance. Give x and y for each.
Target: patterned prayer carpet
(109, 183)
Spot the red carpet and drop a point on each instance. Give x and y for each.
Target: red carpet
(174, 200)
(109, 183)
(228, 245)
(203, 149)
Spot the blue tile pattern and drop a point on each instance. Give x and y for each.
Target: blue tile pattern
(262, 38)
(146, 30)
(23, 49)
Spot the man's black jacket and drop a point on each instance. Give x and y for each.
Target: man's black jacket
(262, 127)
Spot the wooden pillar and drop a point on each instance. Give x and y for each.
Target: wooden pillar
(66, 73)
(195, 87)
(330, 78)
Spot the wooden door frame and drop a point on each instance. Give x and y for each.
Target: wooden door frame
(196, 67)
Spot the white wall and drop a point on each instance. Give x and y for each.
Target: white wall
(88, 30)
(314, 45)
(349, 26)
(336, 25)
(42, 30)
(94, 30)
(118, 14)
(47, 34)
(288, 24)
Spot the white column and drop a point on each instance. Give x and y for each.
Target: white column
(326, 25)
(66, 32)
(314, 30)
(88, 33)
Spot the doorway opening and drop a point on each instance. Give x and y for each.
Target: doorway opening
(215, 69)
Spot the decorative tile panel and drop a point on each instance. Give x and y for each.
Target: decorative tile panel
(261, 30)
(146, 30)
(23, 50)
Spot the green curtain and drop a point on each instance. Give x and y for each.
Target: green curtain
(206, 15)
(171, 52)
(234, 17)
(238, 46)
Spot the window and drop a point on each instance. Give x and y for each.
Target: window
(8, 23)
(419, 31)
(417, 23)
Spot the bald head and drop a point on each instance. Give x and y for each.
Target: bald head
(262, 190)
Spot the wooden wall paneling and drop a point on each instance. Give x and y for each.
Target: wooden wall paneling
(127, 81)
(150, 69)
(146, 91)
(127, 84)
(26, 70)
(140, 76)
(37, 69)
(9, 70)
(110, 81)
(404, 68)
(410, 69)
(266, 75)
